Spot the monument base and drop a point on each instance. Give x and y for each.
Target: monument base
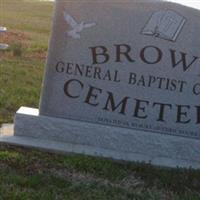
(70, 136)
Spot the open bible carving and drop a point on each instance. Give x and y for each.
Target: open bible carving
(165, 24)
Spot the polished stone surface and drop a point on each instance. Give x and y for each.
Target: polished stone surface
(132, 64)
(61, 135)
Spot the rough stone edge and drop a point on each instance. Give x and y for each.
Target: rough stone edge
(65, 147)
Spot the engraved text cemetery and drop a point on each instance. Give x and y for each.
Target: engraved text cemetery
(128, 105)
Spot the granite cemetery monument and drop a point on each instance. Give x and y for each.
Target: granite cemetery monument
(122, 80)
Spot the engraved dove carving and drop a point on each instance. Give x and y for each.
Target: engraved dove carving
(77, 28)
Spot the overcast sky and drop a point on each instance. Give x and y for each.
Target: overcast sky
(191, 3)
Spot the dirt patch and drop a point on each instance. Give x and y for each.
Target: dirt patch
(14, 37)
(36, 55)
(128, 183)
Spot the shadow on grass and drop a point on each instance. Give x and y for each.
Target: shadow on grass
(85, 177)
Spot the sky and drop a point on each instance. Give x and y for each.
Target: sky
(190, 3)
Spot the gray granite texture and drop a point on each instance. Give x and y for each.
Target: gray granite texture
(122, 81)
(132, 64)
(100, 140)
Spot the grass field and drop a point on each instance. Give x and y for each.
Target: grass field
(22, 65)
(29, 174)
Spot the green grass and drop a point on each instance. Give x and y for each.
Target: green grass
(29, 174)
(21, 67)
